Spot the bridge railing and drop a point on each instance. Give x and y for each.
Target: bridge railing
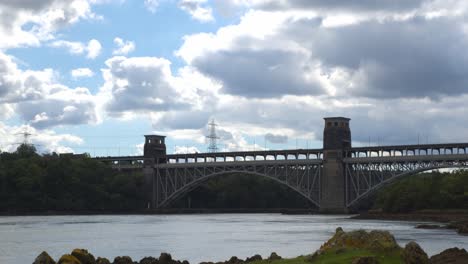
(408, 150)
(241, 156)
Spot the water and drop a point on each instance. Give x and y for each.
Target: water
(212, 237)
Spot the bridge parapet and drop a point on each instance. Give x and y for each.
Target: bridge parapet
(408, 150)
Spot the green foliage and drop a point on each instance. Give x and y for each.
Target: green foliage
(339, 258)
(33, 183)
(435, 190)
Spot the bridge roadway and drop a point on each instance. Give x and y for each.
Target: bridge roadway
(366, 169)
(396, 153)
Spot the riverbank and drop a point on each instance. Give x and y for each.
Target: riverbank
(453, 219)
(356, 247)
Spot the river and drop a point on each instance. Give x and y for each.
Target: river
(207, 237)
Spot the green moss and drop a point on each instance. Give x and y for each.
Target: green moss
(341, 257)
(68, 259)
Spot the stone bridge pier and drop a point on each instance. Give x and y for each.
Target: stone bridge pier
(336, 139)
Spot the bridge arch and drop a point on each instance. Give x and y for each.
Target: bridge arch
(354, 203)
(200, 180)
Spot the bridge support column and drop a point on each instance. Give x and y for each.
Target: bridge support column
(150, 185)
(336, 139)
(332, 187)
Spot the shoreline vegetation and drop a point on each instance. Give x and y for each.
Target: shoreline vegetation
(355, 247)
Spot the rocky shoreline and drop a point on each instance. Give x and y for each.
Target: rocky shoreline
(355, 247)
(452, 219)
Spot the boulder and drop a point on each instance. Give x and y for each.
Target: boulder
(414, 254)
(44, 258)
(68, 259)
(254, 258)
(274, 256)
(123, 260)
(365, 260)
(149, 260)
(83, 256)
(102, 261)
(165, 258)
(450, 256)
(234, 260)
(360, 239)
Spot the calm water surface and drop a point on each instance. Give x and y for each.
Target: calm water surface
(213, 237)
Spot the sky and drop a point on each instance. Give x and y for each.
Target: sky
(96, 76)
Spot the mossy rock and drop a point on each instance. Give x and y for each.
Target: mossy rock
(44, 258)
(375, 240)
(68, 259)
(84, 256)
(149, 260)
(414, 254)
(123, 260)
(102, 261)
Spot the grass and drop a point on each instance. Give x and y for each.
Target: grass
(340, 258)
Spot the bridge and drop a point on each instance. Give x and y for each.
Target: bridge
(335, 178)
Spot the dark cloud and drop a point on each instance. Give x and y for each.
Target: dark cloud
(53, 112)
(413, 58)
(259, 73)
(342, 5)
(141, 84)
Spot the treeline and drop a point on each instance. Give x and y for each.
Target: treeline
(435, 190)
(242, 191)
(36, 183)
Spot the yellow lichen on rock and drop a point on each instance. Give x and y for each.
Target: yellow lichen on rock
(83, 256)
(68, 259)
(360, 239)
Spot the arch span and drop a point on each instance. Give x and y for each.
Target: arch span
(374, 189)
(308, 189)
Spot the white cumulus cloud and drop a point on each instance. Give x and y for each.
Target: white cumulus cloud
(123, 47)
(81, 73)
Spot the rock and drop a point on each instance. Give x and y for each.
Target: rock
(234, 260)
(83, 256)
(463, 229)
(254, 258)
(149, 260)
(450, 256)
(414, 254)
(102, 261)
(365, 260)
(360, 239)
(123, 260)
(165, 258)
(68, 259)
(185, 262)
(428, 226)
(44, 258)
(274, 256)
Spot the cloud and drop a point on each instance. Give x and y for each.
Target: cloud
(196, 9)
(152, 5)
(40, 100)
(140, 84)
(92, 48)
(45, 140)
(276, 139)
(123, 47)
(81, 73)
(28, 23)
(339, 5)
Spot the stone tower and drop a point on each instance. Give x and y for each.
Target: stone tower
(336, 139)
(154, 152)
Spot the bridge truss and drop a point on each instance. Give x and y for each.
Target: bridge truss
(171, 181)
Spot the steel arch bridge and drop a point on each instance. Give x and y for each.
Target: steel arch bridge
(335, 178)
(366, 170)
